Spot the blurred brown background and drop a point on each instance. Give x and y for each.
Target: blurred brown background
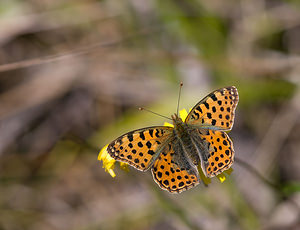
(73, 73)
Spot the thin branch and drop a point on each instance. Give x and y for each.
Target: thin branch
(69, 54)
(251, 169)
(277, 187)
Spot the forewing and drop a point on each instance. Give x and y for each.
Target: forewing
(139, 148)
(216, 110)
(169, 176)
(221, 153)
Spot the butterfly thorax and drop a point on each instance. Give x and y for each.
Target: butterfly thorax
(177, 121)
(181, 129)
(183, 141)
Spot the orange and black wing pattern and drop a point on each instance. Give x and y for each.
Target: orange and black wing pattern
(169, 176)
(219, 149)
(141, 147)
(216, 111)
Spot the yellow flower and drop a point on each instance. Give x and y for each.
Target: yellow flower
(109, 162)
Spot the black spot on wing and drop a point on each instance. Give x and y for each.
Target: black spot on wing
(197, 115)
(206, 105)
(151, 132)
(157, 133)
(199, 109)
(130, 136)
(148, 144)
(142, 136)
(213, 97)
(151, 152)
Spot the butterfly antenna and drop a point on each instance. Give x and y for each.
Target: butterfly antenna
(154, 113)
(181, 84)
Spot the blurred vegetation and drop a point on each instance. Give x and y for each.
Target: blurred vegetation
(73, 73)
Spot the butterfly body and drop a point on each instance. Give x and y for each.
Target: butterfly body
(174, 154)
(186, 152)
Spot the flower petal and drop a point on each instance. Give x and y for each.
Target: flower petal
(112, 173)
(108, 161)
(205, 179)
(168, 124)
(183, 114)
(103, 152)
(221, 177)
(124, 166)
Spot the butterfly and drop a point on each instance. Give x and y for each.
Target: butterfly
(174, 153)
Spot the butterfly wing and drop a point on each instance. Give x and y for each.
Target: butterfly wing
(219, 149)
(140, 148)
(216, 110)
(168, 174)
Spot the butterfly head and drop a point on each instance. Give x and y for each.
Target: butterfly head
(176, 120)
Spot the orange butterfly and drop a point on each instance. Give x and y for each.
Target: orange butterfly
(173, 154)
